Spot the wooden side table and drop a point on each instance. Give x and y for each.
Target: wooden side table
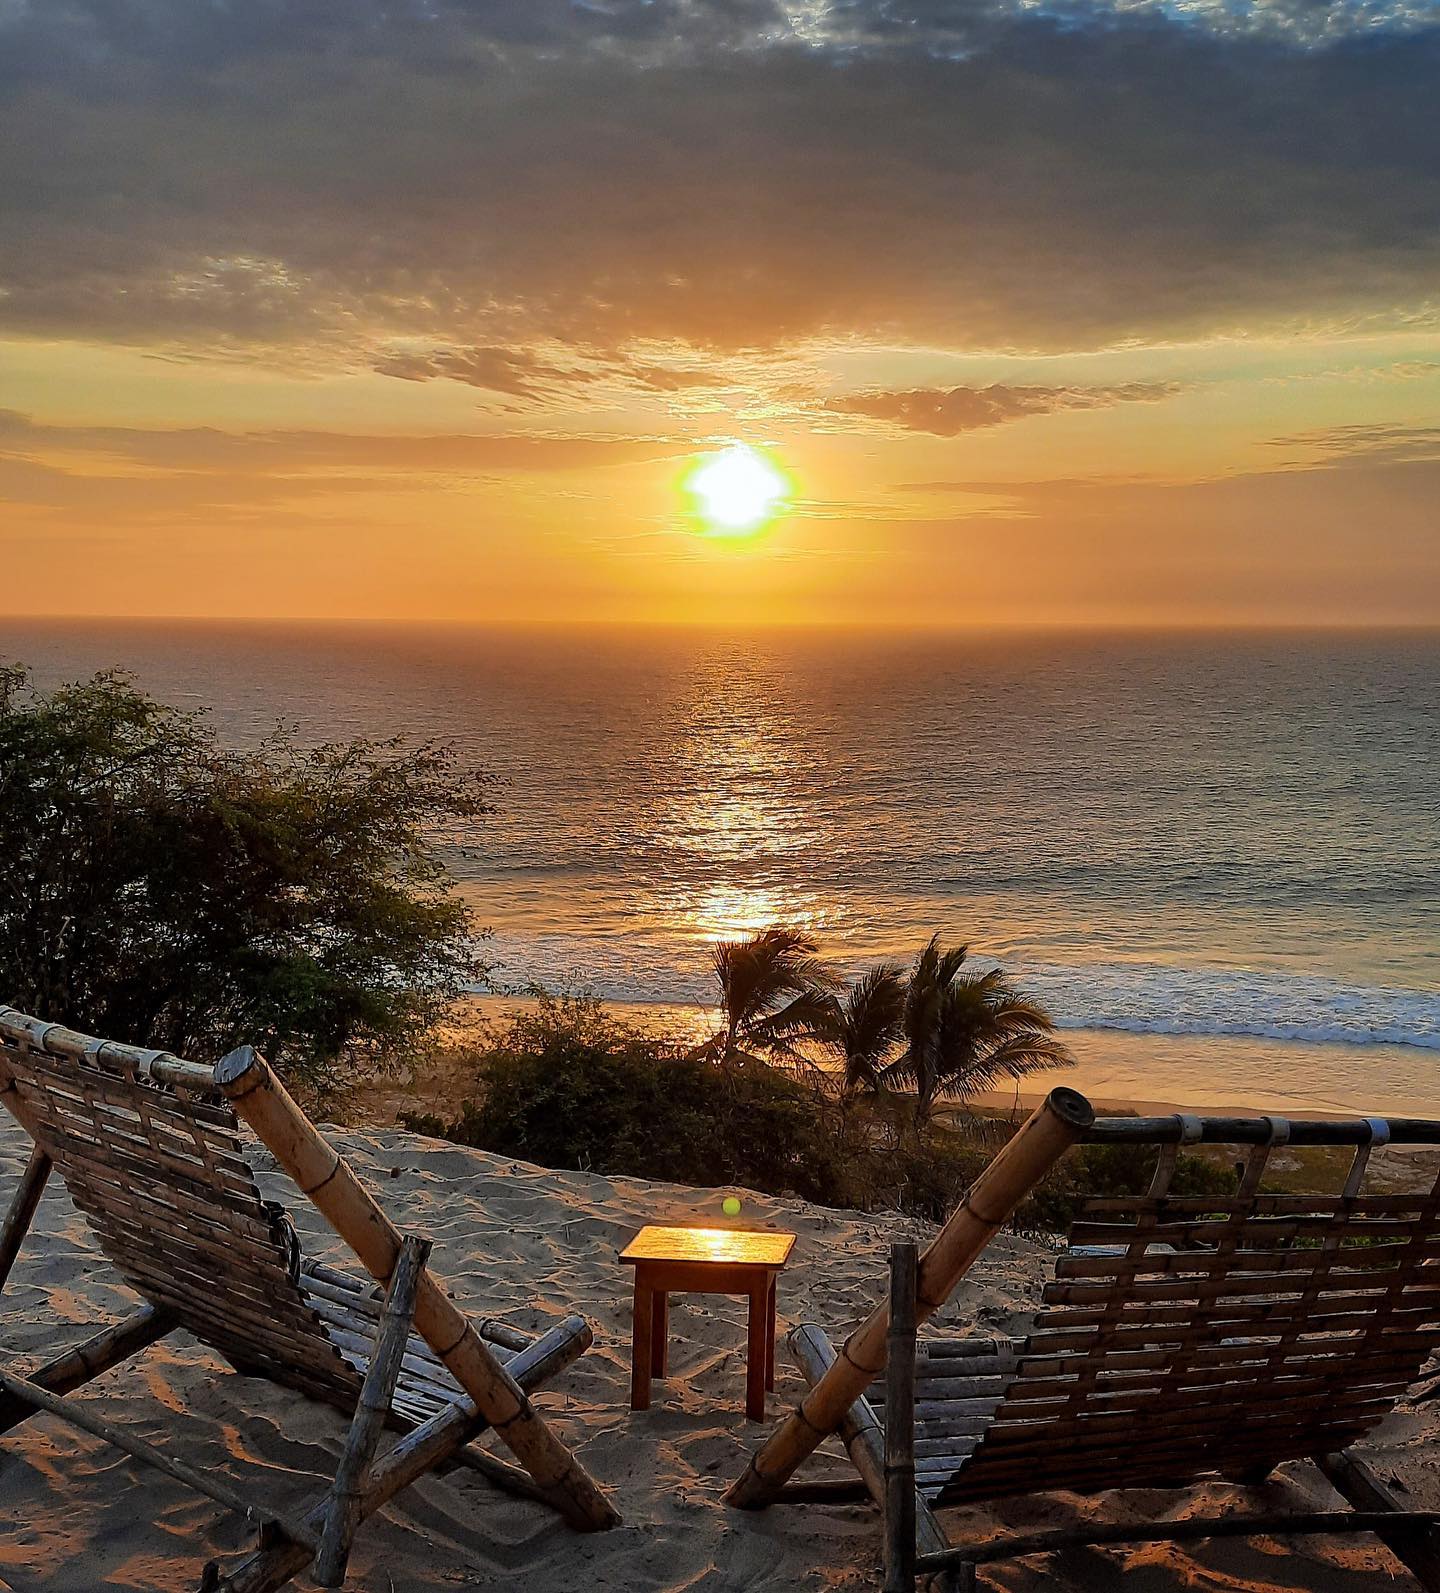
(704, 1261)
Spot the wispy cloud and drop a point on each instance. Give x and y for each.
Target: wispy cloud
(536, 378)
(948, 411)
(151, 473)
(1344, 447)
(512, 371)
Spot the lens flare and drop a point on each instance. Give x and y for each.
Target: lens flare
(736, 492)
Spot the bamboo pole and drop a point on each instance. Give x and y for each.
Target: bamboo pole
(97, 1354)
(76, 1414)
(1319, 1523)
(56, 1040)
(347, 1290)
(900, 1423)
(1049, 1132)
(1354, 1481)
(1257, 1131)
(507, 1478)
(814, 1354)
(430, 1445)
(825, 1490)
(22, 1210)
(321, 1174)
(392, 1334)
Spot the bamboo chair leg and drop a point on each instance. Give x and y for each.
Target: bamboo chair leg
(1284, 1523)
(391, 1336)
(900, 1423)
(22, 1210)
(322, 1175)
(1358, 1485)
(88, 1360)
(426, 1448)
(861, 1434)
(78, 1415)
(1047, 1134)
(508, 1479)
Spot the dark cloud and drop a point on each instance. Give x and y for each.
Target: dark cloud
(948, 411)
(334, 177)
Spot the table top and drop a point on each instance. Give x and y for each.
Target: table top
(734, 1247)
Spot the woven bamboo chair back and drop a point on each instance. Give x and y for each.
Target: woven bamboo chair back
(160, 1175)
(1190, 1334)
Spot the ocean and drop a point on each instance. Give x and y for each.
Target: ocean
(1214, 857)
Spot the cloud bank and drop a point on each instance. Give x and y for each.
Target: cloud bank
(336, 182)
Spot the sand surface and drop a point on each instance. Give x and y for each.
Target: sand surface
(533, 1245)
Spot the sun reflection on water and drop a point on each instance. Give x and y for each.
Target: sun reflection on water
(729, 911)
(744, 802)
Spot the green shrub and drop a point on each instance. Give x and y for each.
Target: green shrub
(568, 1086)
(1107, 1172)
(158, 888)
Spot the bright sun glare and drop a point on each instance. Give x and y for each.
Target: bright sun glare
(736, 492)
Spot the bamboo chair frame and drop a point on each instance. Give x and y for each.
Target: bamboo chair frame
(148, 1147)
(1180, 1338)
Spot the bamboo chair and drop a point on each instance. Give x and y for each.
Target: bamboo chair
(149, 1150)
(1181, 1337)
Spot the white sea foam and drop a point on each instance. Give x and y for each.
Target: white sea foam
(1139, 997)
(1150, 998)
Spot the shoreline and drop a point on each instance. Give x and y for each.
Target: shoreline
(1118, 1070)
(1124, 1070)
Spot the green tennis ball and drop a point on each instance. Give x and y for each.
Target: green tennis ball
(731, 1205)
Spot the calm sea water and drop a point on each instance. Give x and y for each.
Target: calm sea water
(1206, 836)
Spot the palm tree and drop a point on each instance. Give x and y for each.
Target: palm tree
(774, 992)
(863, 1027)
(964, 1032)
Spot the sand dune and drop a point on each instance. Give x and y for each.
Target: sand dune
(533, 1245)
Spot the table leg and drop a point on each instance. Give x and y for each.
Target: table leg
(660, 1335)
(756, 1350)
(643, 1327)
(770, 1337)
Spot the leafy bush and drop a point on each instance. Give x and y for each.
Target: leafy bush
(568, 1086)
(1108, 1171)
(157, 889)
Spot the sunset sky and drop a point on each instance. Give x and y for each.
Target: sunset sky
(1056, 313)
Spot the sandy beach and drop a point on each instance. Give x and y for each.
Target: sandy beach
(531, 1245)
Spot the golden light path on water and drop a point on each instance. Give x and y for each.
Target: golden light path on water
(741, 807)
(1066, 806)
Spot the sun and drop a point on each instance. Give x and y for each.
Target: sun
(736, 492)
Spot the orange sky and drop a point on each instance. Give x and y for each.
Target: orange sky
(1120, 323)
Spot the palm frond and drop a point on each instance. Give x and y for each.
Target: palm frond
(804, 1016)
(965, 1030)
(777, 971)
(1013, 1059)
(900, 1074)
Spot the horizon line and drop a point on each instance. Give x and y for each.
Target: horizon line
(879, 627)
